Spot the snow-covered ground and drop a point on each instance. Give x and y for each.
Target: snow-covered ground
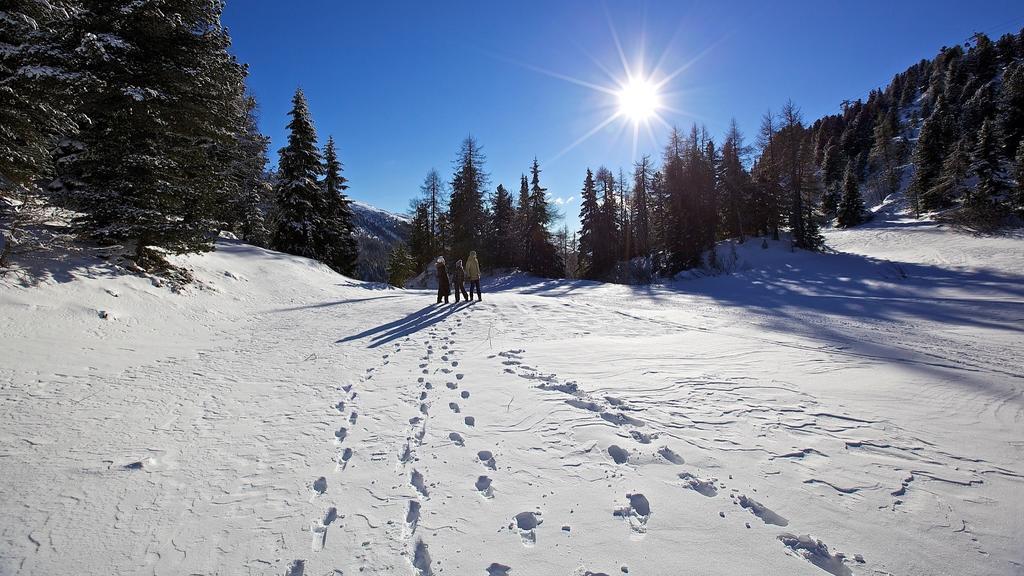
(850, 413)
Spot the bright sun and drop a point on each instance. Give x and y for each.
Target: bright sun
(639, 100)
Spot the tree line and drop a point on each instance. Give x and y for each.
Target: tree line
(134, 117)
(452, 217)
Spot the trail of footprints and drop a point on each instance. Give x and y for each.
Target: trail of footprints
(438, 349)
(637, 510)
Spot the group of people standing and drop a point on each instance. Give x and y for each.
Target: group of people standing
(470, 272)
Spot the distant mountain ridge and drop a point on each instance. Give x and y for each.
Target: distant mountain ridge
(376, 230)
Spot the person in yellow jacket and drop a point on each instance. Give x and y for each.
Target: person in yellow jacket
(473, 275)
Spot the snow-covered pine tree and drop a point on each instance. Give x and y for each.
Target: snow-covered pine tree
(40, 84)
(401, 266)
(929, 155)
(1011, 107)
(298, 187)
(590, 214)
(1017, 197)
(147, 169)
(985, 164)
(852, 206)
(335, 242)
(950, 184)
(247, 212)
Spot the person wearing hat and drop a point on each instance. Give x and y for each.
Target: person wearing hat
(443, 285)
(473, 275)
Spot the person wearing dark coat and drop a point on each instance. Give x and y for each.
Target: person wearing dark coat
(443, 287)
(460, 281)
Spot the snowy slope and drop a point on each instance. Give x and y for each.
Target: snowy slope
(286, 420)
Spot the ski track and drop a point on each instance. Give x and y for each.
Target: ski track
(481, 438)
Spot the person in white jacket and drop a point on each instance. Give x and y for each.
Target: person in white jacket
(473, 275)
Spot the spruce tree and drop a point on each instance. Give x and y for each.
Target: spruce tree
(543, 254)
(852, 206)
(421, 238)
(985, 163)
(1017, 197)
(466, 206)
(503, 229)
(590, 215)
(929, 155)
(299, 196)
(400, 265)
(40, 87)
(950, 184)
(336, 244)
(1011, 108)
(524, 254)
(246, 212)
(148, 169)
(734, 183)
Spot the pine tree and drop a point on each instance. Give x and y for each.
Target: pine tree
(421, 238)
(950, 184)
(432, 191)
(1017, 198)
(852, 206)
(524, 254)
(590, 216)
(985, 164)
(148, 169)
(929, 155)
(400, 265)
(641, 218)
(544, 260)
(606, 248)
(1011, 108)
(466, 206)
(298, 189)
(734, 183)
(336, 244)
(503, 229)
(40, 87)
(247, 212)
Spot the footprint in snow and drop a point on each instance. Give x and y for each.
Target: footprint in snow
(759, 510)
(705, 487)
(470, 421)
(421, 560)
(618, 454)
(487, 458)
(412, 516)
(636, 513)
(343, 459)
(460, 376)
(465, 394)
(496, 569)
(416, 481)
(352, 417)
(671, 456)
(320, 485)
(340, 434)
(340, 406)
(457, 439)
(527, 523)
(483, 486)
(451, 385)
(454, 406)
(297, 568)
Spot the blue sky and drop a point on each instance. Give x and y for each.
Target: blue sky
(400, 84)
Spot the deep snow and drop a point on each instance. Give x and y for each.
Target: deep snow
(849, 413)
